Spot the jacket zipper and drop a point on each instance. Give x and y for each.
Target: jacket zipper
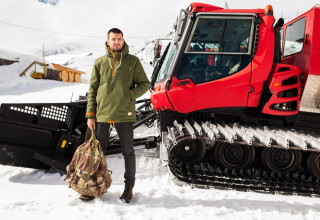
(114, 63)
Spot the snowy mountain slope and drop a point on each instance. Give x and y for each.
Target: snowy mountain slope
(73, 54)
(52, 2)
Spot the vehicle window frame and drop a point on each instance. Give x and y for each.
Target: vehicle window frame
(235, 17)
(281, 41)
(167, 60)
(285, 36)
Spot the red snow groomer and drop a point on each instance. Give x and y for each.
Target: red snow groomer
(239, 100)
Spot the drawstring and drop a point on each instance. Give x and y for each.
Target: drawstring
(118, 66)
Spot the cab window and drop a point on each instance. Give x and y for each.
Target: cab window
(294, 37)
(217, 48)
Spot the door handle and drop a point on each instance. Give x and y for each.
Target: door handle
(183, 83)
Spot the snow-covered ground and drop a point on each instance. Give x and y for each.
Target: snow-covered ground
(39, 194)
(42, 194)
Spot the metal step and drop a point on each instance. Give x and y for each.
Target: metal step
(208, 174)
(246, 134)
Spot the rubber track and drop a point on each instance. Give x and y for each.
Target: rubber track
(206, 175)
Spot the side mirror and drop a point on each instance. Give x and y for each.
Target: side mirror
(157, 49)
(181, 21)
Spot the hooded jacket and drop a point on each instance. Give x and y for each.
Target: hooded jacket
(117, 80)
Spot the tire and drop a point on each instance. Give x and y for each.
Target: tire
(280, 160)
(190, 151)
(313, 164)
(234, 156)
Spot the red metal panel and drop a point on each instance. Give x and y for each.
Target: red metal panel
(263, 60)
(314, 68)
(200, 7)
(159, 97)
(308, 59)
(231, 91)
(275, 84)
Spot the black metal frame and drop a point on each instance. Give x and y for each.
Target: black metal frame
(44, 135)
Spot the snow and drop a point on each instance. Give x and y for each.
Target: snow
(39, 194)
(42, 194)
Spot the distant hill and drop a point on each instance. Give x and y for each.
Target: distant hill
(52, 2)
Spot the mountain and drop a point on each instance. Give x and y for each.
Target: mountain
(52, 2)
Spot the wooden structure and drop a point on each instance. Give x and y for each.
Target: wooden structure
(38, 70)
(68, 74)
(6, 61)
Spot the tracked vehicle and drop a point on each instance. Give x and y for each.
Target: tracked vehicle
(239, 100)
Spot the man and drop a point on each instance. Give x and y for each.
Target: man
(117, 80)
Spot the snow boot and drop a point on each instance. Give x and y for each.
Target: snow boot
(127, 194)
(86, 198)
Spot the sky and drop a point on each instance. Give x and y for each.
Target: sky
(137, 19)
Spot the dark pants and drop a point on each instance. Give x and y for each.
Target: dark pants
(125, 133)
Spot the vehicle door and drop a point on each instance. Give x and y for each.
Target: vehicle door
(214, 69)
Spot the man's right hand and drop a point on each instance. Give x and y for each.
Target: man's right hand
(91, 123)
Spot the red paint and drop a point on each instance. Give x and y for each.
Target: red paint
(275, 84)
(245, 88)
(308, 59)
(231, 91)
(211, 58)
(159, 97)
(262, 61)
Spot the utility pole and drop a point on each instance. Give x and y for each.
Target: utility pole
(44, 62)
(226, 6)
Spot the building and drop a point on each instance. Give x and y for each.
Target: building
(7, 61)
(68, 74)
(39, 70)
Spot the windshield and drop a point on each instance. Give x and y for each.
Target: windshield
(166, 63)
(221, 35)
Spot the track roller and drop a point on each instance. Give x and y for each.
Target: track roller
(189, 151)
(313, 164)
(234, 156)
(281, 160)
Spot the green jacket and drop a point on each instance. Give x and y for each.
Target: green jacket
(117, 80)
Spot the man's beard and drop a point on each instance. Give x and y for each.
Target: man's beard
(117, 50)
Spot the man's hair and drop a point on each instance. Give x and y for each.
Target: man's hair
(115, 30)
